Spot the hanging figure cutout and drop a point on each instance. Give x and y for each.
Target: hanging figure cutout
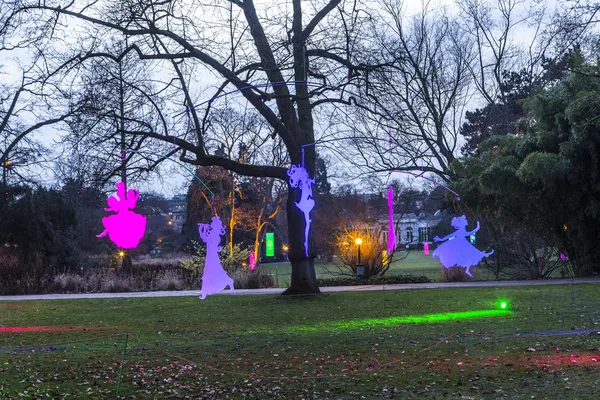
(457, 251)
(299, 178)
(391, 245)
(214, 278)
(125, 228)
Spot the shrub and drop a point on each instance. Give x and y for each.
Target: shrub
(114, 283)
(168, 281)
(68, 283)
(246, 279)
(229, 263)
(455, 274)
(378, 280)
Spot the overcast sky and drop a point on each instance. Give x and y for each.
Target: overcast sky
(177, 178)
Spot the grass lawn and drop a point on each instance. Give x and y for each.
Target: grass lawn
(413, 263)
(400, 344)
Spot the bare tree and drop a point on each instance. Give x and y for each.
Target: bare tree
(412, 116)
(276, 44)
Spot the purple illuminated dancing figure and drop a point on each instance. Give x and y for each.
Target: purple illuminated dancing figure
(457, 251)
(125, 228)
(299, 177)
(214, 278)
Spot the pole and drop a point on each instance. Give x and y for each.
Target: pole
(121, 367)
(359, 253)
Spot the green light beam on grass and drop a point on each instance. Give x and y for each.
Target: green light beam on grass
(393, 321)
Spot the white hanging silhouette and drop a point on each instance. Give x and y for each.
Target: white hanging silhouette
(214, 278)
(458, 251)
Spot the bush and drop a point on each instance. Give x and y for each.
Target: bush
(246, 279)
(378, 280)
(168, 281)
(229, 263)
(68, 283)
(454, 274)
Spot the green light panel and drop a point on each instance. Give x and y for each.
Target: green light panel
(270, 245)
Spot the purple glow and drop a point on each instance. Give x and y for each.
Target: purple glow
(391, 234)
(125, 228)
(252, 261)
(563, 257)
(459, 252)
(300, 178)
(214, 278)
(426, 248)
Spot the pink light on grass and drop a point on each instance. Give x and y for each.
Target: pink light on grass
(125, 228)
(426, 248)
(391, 245)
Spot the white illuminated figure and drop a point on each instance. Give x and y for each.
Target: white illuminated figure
(458, 251)
(300, 178)
(214, 278)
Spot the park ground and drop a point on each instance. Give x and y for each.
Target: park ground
(427, 343)
(406, 263)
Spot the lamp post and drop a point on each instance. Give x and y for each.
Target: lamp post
(360, 269)
(285, 249)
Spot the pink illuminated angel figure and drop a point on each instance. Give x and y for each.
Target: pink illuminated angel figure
(457, 251)
(214, 278)
(125, 228)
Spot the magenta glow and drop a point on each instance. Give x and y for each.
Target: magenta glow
(125, 228)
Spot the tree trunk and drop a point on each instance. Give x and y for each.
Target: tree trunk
(304, 278)
(126, 264)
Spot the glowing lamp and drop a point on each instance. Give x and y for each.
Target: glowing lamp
(503, 305)
(426, 248)
(285, 248)
(358, 241)
(121, 254)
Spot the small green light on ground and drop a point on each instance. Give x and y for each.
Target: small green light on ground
(503, 304)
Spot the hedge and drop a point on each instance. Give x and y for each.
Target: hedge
(375, 280)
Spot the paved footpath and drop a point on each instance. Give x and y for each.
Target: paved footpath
(274, 291)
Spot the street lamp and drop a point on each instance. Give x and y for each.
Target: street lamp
(358, 242)
(360, 269)
(285, 249)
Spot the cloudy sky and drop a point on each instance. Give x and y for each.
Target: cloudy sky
(176, 178)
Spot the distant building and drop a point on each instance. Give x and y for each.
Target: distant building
(413, 229)
(177, 211)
